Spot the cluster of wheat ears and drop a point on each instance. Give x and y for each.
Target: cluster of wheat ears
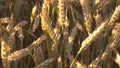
(60, 33)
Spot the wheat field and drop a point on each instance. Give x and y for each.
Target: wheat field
(60, 33)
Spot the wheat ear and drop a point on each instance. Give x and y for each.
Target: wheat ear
(46, 26)
(23, 52)
(113, 44)
(103, 27)
(87, 15)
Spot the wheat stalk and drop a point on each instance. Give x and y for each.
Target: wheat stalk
(21, 36)
(68, 47)
(16, 6)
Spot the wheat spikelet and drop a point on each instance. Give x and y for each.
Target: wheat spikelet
(98, 19)
(97, 1)
(19, 25)
(87, 15)
(57, 31)
(10, 26)
(4, 20)
(34, 13)
(23, 52)
(117, 59)
(60, 64)
(45, 63)
(20, 34)
(79, 26)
